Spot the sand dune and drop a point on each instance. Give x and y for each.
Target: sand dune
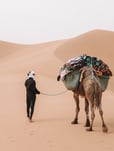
(51, 129)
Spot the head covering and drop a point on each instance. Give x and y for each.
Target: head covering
(31, 74)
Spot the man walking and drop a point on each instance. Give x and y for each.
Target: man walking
(31, 92)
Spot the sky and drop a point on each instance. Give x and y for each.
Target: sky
(38, 21)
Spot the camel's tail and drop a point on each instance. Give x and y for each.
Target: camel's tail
(97, 100)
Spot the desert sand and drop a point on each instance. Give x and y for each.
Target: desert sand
(51, 129)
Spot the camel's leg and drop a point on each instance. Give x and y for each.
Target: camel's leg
(92, 117)
(104, 127)
(76, 98)
(87, 124)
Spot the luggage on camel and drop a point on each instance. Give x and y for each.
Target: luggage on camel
(71, 71)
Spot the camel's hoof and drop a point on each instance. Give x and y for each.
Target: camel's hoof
(89, 130)
(87, 123)
(105, 129)
(75, 121)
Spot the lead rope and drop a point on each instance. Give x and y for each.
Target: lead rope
(54, 94)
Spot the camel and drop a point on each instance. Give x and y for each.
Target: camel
(89, 87)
